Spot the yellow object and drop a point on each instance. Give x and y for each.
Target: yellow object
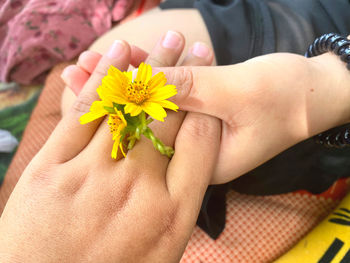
(329, 242)
(127, 100)
(117, 124)
(144, 93)
(97, 111)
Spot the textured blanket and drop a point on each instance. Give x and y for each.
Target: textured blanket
(37, 34)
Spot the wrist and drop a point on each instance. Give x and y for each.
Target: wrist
(328, 97)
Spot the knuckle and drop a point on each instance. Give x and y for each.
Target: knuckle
(167, 218)
(38, 174)
(120, 197)
(82, 104)
(200, 127)
(101, 70)
(55, 180)
(67, 185)
(183, 78)
(158, 61)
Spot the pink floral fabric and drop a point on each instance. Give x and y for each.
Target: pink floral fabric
(37, 34)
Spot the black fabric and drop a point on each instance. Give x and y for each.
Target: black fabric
(177, 4)
(242, 29)
(212, 215)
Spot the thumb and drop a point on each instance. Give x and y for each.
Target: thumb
(209, 90)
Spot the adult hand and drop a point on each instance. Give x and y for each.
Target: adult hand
(74, 203)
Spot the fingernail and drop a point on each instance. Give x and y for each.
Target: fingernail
(83, 55)
(116, 49)
(171, 40)
(200, 50)
(65, 75)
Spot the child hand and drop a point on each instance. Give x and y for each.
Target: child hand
(266, 104)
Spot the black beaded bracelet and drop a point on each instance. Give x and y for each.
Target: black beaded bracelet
(338, 137)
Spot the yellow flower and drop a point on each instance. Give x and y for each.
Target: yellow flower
(107, 92)
(117, 124)
(97, 110)
(144, 93)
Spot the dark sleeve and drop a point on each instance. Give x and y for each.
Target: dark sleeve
(242, 29)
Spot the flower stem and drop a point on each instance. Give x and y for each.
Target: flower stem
(163, 149)
(142, 128)
(143, 120)
(132, 140)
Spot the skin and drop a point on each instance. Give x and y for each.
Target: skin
(82, 206)
(276, 111)
(252, 87)
(275, 101)
(74, 210)
(144, 31)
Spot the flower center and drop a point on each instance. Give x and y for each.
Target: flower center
(137, 92)
(114, 123)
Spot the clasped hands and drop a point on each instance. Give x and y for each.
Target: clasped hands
(74, 203)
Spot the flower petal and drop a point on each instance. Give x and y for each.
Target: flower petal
(133, 109)
(128, 75)
(97, 110)
(101, 91)
(163, 93)
(114, 86)
(116, 73)
(115, 149)
(119, 100)
(144, 73)
(115, 80)
(168, 104)
(154, 110)
(121, 116)
(157, 81)
(115, 136)
(121, 149)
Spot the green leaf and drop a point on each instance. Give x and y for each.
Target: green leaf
(119, 107)
(134, 121)
(129, 129)
(148, 121)
(109, 109)
(129, 119)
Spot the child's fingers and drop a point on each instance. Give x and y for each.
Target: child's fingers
(75, 78)
(199, 54)
(138, 55)
(171, 41)
(70, 137)
(88, 60)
